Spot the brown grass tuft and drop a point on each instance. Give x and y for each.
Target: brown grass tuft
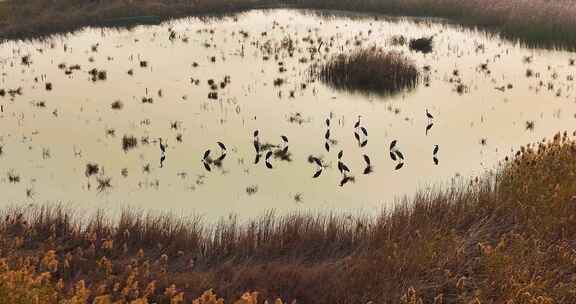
(371, 71)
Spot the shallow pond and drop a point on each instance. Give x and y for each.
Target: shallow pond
(49, 135)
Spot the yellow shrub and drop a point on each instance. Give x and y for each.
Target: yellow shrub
(23, 286)
(248, 298)
(208, 297)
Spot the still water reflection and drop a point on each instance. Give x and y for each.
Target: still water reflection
(90, 139)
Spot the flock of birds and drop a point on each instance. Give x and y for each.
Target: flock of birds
(282, 150)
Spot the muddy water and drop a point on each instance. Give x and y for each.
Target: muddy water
(48, 137)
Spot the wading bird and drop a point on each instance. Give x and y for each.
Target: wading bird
(430, 122)
(267, 160)
(222, 146)
(396, 155)
(162, 158)
(429, 115)
(319, 167)
(368, 168)
(162, 146)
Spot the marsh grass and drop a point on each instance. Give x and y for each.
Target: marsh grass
(506, 238)
(25, 19)
(534, 23)
(369, 70)
(424, 44)
(537, 23)
(129, 142)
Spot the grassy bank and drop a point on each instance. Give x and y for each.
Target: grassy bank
(535, 22)
(508, 240)
(37, 18)
(538, 23)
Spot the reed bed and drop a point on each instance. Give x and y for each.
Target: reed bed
(369, 70)
(506, 238)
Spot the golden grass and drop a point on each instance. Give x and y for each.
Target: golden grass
(370, 70)
(508, 239)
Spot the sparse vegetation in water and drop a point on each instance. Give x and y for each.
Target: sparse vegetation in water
(117, 105)
(26, 60)
(297, 118)
(462, 245)
(98, 74)
(13, 177)
(251, 190)
(91, 169)
(104, 183)
(369, 70)
(462, 88)
(423, 45)
(129, 142)
(213, 95)
(399, 40)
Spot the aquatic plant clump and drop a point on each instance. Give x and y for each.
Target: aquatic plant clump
(371, 71)
(423, 45)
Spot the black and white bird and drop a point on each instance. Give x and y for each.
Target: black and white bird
(393, 144)
(368, 168)
(222, 146)
(162, 158)
(430, 116)
(357, 124)
(430, 121)
(319, 167)
(162, 146)
(396, 155)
